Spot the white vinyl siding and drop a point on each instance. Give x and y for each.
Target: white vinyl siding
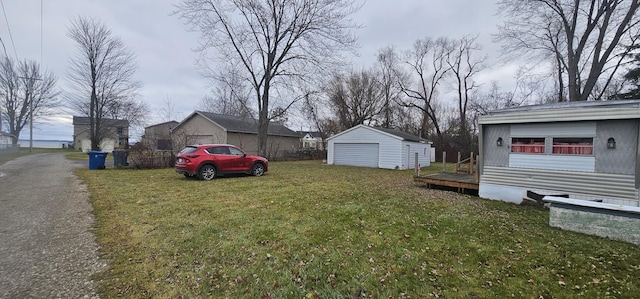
(389, 147)
(568, 129)
(409, 154)
(548, 160)
(553, 162)
(356, 154)
(392, 151)
(612, 188)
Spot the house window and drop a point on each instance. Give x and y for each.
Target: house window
(527, 145)
(120, 130)
(164, 144)
(573, 146)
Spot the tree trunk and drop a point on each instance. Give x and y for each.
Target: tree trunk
(93, 126)
(263, 114)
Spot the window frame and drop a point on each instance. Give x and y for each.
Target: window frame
(533, 143)
(572, 146)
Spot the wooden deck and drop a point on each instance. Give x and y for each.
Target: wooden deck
(461, 181)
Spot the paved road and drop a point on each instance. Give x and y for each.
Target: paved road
(46, 247)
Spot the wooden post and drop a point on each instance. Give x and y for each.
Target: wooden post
(470, 170)
(477, 170)
(417, 166)
(444, 161)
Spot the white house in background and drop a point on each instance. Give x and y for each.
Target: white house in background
(6, 140)
(311, 140)
(377, 147)
(584, 150)
(115, 134)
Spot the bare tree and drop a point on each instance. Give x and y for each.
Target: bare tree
(355, 99)
(132, 109)
(631, 83)
(101, 80)
(586, 41)
(465, 67)
(276, 42)
(427, 63)
(313, 111)
(23, 90)
(391, 78)
(168, 110)
(231, 94)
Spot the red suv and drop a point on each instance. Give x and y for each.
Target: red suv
(209, 160)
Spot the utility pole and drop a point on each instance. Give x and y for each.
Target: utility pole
(31, 125)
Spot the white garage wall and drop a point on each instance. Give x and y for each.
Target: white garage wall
(409, 154)
(393, 152)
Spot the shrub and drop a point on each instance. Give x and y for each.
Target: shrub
(143, 156)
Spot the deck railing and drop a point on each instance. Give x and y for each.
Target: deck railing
(468, 165)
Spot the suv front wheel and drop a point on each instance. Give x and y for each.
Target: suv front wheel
(257, 169)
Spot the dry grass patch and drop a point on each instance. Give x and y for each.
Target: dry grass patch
(317, 231)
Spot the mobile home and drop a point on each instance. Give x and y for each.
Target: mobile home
(581, 150)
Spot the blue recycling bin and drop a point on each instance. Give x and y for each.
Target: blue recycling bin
(96, 159)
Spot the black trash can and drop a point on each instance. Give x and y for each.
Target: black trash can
(96, 159)
(120, 158)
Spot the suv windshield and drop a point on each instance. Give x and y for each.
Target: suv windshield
(188, 149)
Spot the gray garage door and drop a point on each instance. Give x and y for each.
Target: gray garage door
(356, 154)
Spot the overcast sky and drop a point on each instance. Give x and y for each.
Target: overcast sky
(163, 46)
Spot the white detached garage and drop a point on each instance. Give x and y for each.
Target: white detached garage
(377, 147)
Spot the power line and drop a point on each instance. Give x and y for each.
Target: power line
(41, 35)
(9, 29)
(3, 47)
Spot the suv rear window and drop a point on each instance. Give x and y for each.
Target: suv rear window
(188, 149)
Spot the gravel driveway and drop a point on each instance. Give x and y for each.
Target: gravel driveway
(47, 249)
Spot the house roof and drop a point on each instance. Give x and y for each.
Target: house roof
(312, 134)
(405, 136)
(236, 124)
(2, 133)
(565, 111)
(82, 120)
(164, 123)
(390, 132)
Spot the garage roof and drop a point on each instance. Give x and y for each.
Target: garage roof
(393, 132)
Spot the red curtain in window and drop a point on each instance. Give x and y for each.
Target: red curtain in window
(537, 148)
(585, 149)
(532, 148)
(565, 148)
(517, 147)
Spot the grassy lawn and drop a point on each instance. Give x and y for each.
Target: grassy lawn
(307, 230)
